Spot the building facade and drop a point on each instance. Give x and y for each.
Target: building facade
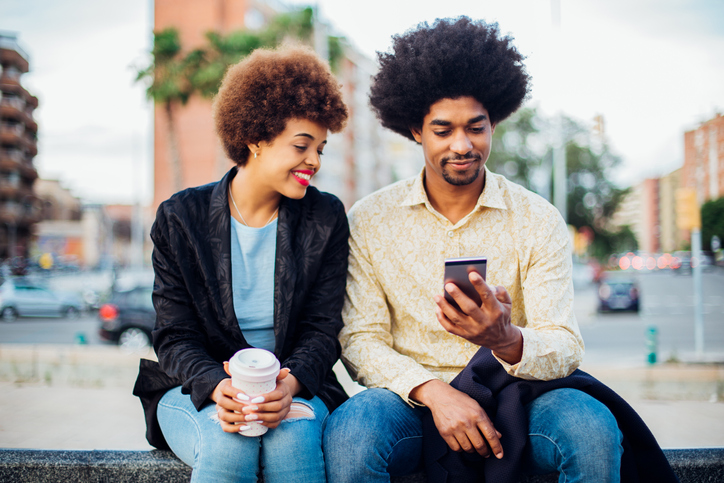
(19, 207)
(703, 167)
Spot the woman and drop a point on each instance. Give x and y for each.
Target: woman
(257, 259)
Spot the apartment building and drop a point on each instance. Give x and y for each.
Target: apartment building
(19, 207)
(703, 167)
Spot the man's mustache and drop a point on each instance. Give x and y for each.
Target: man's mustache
(460, 157)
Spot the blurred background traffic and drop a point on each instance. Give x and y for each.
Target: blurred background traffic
(106, 111)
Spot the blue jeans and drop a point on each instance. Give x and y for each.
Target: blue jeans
(289, 453)
(376, 435)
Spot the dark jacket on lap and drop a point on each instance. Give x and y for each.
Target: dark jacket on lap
(503, 397)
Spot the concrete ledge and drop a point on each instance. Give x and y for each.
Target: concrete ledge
(702, 465)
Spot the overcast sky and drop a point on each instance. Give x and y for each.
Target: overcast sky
(652, 68)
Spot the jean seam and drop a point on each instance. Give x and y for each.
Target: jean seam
(560, 452)
(387, 458)
(190, 416)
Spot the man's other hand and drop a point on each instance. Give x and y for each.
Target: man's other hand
(461, 422)
(487, 325)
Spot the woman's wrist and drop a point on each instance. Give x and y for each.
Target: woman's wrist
(295, 387)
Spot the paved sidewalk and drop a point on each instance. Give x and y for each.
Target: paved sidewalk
(56, 397)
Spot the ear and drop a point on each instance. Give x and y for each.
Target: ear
(492, 128)
(416, 134)
(253, 149)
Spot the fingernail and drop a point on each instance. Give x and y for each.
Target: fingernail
(242, 396)
(449, 287)
(499, 455)
(251, 417)
(249, 409)
(244, 427)
(257, 400)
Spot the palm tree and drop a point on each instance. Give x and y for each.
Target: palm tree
(169, 86)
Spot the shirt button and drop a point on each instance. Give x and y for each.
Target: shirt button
(450, 234)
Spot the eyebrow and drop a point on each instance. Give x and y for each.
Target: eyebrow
(305, 135)
(440, 122)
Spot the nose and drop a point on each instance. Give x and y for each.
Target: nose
(314, 161)
(461, 143)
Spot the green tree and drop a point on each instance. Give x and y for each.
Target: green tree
(208, 64)
(521, 152)
(168, 85)
(512, 154)
(712, 222)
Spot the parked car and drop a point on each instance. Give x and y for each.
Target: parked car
(127, 319)
(618, 294)
(22, 298)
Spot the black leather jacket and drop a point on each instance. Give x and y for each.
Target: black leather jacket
(196, 327)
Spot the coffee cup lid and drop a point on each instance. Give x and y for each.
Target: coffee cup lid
(254, 365)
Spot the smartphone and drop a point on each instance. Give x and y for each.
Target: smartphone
(457, 271)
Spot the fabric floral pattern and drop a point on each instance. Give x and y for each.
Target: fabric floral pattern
(398, 244)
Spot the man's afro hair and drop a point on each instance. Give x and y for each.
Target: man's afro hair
(453, 58)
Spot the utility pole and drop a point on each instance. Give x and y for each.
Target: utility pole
(688, 217)
(560, 172)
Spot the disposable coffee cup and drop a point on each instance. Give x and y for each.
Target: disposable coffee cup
(254, 371)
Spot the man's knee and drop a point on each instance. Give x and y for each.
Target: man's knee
(368, 421)
(360, 418)
(582, 429)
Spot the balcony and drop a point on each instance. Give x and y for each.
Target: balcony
(31, 144)
(12, 107)
(11, 54)
(10, 185)
(10, 158)
(11, 133)
(10, 212)
(28, 171)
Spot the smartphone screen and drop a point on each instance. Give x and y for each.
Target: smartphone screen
(457, 271)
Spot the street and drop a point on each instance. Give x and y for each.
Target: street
(667, 303)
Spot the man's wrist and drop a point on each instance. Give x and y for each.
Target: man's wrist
(511, 351)
(422, 394)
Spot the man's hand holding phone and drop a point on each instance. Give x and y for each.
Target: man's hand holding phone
(487, 324)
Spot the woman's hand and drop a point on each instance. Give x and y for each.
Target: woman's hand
(274, 406)
(228, 407)
(236, 408)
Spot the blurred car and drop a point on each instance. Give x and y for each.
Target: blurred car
(127, 319)
(618, 294)
(20, 298)
(681, 262)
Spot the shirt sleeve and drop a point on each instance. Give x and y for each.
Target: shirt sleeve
(367, 342)
(552, 343)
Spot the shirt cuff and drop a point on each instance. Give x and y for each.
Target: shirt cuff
(404, 388)
(529, 356)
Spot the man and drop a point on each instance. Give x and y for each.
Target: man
(446, 87)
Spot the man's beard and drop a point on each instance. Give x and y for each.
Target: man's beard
(461, 179)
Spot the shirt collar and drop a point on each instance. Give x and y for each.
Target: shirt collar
(491, 197)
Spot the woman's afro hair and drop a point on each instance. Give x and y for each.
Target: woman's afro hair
(262, 92)
(453, 58)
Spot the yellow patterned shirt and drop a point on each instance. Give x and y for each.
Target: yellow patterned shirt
(398, 244)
